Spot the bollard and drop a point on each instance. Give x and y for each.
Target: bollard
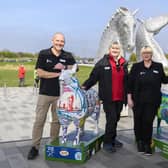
(5, 90)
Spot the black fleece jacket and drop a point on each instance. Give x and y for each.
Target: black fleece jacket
(145, 83)
(102, 73)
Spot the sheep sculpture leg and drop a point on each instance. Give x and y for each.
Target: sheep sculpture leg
(64, 134)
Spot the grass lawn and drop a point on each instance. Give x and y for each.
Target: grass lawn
(9, 74)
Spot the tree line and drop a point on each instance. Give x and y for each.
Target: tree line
(15, 55)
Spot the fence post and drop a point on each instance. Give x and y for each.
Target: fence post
(5, 90)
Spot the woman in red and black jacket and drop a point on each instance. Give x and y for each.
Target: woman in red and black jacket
(111, 74)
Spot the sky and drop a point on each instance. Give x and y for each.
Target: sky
(28, 25)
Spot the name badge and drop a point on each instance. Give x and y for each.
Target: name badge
(62, 60)
(49, 61)
(107, 68)
(155, 71)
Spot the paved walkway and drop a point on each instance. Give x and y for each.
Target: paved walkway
(17, 116)
(17, 113)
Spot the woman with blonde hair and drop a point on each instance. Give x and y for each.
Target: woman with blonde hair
(111, 74)
(144, 96)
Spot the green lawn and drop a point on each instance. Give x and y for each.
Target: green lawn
(9, 74)
(83, 73)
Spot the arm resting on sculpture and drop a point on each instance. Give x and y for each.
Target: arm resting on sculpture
(61, 66)
(92, 80)
(45, 74)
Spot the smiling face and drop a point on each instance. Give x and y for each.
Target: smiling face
(114, 50)
(58, 42)
(146, 53)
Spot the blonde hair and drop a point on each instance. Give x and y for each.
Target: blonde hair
(146, 49)
(114, 43)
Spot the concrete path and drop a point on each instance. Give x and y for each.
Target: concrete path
(17, 111)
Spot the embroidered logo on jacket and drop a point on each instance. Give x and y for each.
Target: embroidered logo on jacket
(62, 60)
(142, 73)
(49, 61)
(107, 68)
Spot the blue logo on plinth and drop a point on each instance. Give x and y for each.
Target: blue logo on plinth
(63, 152)
(78, 156)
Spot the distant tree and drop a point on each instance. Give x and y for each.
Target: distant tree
(26, 55)
(133, 58)
(10, 54)
(166, 56)
(77, 57)
(90, 59)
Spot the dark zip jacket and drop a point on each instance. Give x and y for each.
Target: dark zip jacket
(102, 73)
(145, 83)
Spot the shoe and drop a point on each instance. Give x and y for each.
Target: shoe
(109, 148)
(33, 153)
(113, 149)
(140, 147)
(117, 144)
(148, 150)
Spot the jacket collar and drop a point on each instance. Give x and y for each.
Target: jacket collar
(121, 59)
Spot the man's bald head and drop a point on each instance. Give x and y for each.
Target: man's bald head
(58, 35)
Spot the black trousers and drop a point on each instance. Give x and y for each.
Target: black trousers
(112, 111)
(144, 115)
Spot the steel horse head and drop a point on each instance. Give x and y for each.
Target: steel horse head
(120, 28)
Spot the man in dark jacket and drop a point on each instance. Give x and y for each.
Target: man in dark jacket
(111, 74)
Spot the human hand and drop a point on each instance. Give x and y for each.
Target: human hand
(83, 87)
(56, 75)
(59, 66)
(130, 102)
